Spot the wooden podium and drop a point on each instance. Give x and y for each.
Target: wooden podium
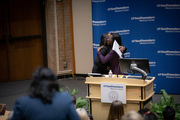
(138, 94)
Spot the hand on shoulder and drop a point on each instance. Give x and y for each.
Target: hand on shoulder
(99, 48)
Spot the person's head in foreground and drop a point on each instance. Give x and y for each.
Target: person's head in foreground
(150, 116)
(169, 113)
(132, 115)
(143, 111)
(82, 113)
(45, 101)
(116, 110)
(44, 84)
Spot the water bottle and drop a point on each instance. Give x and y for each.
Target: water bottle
(110, 73)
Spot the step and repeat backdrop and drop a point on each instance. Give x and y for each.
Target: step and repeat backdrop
(149, 29)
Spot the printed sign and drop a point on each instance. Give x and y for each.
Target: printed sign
(113, 91)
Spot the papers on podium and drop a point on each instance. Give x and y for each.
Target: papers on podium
(116, 49)
(95, 74)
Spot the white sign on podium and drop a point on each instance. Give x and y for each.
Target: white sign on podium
(113, 91)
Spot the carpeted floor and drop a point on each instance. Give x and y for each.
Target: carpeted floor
(10, 91)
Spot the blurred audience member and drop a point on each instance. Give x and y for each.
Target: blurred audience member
(45, 102)
(132, 115)
(74, 100)
(116, 110)
(169, 113)
(143, 111)
(150, 116)
(147, 114)
(90, 116)
(10, 115)
(82, 113)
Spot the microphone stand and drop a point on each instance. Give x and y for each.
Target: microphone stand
(134, 67)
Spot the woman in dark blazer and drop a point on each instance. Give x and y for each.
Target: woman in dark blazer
(45, 102)
(99, 67)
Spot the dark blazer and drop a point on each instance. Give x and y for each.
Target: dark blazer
(62, 108)
(99, 67)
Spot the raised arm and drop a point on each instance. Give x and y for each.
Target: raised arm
(107, 58)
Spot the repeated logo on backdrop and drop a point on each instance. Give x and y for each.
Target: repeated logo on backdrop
(149, 29)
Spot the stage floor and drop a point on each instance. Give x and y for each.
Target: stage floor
(10, 91)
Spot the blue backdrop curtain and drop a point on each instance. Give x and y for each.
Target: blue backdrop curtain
(149, 29)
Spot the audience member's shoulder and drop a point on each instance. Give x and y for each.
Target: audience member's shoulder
(24, 98)
(64, 94)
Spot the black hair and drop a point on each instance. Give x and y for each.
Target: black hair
(150, 116)
(116, 110)
(143, 111)
(169, 113)
(104, 38)
(44, 84)
(117, 37)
